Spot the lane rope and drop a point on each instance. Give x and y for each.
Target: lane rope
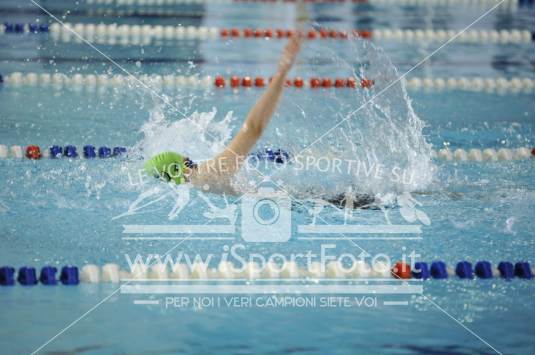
(489, 154)
(90, 82)
(116, 34)
(112, 273)
(390, 3)
(34, 152)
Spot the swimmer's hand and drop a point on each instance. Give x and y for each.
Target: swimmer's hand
(290, 53)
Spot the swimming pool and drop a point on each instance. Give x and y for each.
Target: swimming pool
(72, 211)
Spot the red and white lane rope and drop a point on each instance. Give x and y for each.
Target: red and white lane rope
(90, 82)
(116, 34)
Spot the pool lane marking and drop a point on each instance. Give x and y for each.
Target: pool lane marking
(425, 59)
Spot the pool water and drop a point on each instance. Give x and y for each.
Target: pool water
(59, 212)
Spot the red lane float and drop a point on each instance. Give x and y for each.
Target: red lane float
(401, 271)
(33, 152)
(339, 83)
(314, 83)
(366, 83)
(259, 82)
(246, 82)
(219, 82)
(280, 33)
(234, 81)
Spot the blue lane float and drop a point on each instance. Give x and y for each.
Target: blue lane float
(278, 156)
(27, 276)
(439, 270)
(88, 152)
(117, 151)
(421, 271)
(7, 276)
(523, 270)
(69, 275)
(464, 270)
(483, 270)
(56, 152)
(23, 27)
(70, 151)
(506, 269)
(48, 275)
(104, 152)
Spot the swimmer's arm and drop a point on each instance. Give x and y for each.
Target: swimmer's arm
(229, 161)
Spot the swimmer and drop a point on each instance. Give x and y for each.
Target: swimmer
(217, 172)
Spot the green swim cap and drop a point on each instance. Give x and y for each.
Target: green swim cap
(168, 166)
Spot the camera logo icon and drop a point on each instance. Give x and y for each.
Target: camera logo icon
(266, 217)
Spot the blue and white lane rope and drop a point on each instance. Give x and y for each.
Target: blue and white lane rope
(112, 273)
(122, 34)
(102, 82)
(34, 152)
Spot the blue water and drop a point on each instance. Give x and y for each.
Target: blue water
(60, 212)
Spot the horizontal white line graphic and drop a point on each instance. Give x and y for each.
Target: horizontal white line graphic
(360, 229)
(271, 289)
(177, 229)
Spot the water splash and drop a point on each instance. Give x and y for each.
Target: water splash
(374, 132)
(199, 136)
